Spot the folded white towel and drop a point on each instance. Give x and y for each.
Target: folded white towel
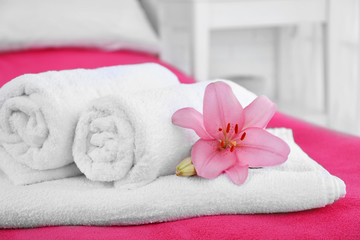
(39, 112)
(130, 139)
(298, 184)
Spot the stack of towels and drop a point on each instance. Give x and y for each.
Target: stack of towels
(105, 138)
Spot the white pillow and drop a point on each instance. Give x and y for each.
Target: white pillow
(152, 11)
(106, 24)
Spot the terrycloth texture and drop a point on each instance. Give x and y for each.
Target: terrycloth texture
(131, 139)
(298, 184)
(338, 153)
(39, 112)
(20, 174)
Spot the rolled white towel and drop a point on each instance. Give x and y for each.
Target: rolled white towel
(130, 139)
(39, 112)
(20, 174)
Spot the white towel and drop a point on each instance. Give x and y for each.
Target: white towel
(39, 112)
(20, 174)
(130, 139)
(298, 184)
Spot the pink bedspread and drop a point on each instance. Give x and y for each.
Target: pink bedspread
(338, 153)
(34, 61)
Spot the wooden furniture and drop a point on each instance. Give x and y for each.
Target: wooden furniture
(185, 27)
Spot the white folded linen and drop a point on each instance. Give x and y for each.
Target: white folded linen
(39, 112)
(130, 139)
(298, 184)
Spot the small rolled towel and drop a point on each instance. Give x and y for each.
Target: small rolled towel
(130, 139)
(39, 112)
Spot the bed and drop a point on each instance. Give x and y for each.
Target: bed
(337, 152)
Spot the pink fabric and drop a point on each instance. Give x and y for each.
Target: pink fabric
(14, 64)
(338, 153)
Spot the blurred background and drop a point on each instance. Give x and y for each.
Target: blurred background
(303, 54)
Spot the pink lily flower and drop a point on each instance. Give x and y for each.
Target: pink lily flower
(232, 139)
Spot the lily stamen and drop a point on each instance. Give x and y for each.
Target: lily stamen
(228, 128)
(225, 151)
(243, 136)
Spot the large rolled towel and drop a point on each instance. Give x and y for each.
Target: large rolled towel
(20, 174)
(39, 112)
(131, 140)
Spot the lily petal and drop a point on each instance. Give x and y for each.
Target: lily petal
(209, 160)
(190, 118)
(237, 173)
(220, 108)
(261, 149)
(259, 112)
